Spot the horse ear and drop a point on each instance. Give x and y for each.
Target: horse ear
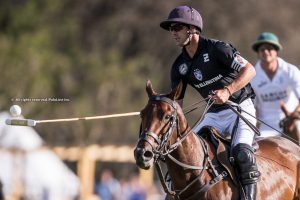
(149, 88)
(174, 95)
(284, 109)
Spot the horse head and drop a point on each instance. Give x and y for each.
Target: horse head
(159, 121)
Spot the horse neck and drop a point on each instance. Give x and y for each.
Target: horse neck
(190, 152)
(190, 143)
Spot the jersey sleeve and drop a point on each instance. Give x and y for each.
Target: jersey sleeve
(294, 73)
(229, 57)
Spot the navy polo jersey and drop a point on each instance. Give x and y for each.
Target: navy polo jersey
(215, 65)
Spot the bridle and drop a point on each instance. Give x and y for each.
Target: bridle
(161, 150)
(159, 146)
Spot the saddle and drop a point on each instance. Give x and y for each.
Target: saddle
(222, 148)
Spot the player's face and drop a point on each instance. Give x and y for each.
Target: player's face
(179, 33)
(267, 53)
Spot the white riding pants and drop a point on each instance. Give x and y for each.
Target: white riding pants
(224, 122)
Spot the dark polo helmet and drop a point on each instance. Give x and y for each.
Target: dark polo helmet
(183, 14)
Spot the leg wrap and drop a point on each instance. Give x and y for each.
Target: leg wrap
(246, 163)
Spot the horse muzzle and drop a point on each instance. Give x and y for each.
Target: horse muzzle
(143, 157)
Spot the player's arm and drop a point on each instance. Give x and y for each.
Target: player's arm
(230, 58)
(245, 75)
(295, 82)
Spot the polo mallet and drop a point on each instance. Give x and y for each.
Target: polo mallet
(32, 122)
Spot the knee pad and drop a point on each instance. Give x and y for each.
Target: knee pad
(246, 163)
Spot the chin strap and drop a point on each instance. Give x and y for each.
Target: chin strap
(189, 38)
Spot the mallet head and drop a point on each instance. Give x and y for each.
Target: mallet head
(21, 122)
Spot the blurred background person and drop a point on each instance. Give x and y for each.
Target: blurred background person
(108, 187)
(138, 189)
(276, 82)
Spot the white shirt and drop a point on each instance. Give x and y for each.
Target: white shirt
(284, 87)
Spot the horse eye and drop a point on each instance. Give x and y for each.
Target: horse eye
(167, 117)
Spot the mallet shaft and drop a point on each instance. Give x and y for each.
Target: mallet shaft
(88, 118)
(31, 122)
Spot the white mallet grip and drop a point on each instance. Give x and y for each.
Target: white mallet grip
(20, 122)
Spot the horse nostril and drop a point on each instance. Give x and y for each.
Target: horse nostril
(148, 154)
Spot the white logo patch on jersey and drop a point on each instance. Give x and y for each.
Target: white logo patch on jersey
(183, 68)
(205, 57)
(238, 62)
(198, 74)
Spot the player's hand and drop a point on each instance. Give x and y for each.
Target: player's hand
(220, 96)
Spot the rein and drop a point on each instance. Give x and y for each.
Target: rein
(231, 105)
(162, 150)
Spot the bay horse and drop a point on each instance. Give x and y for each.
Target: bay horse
(192, 161)
(289, 124)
